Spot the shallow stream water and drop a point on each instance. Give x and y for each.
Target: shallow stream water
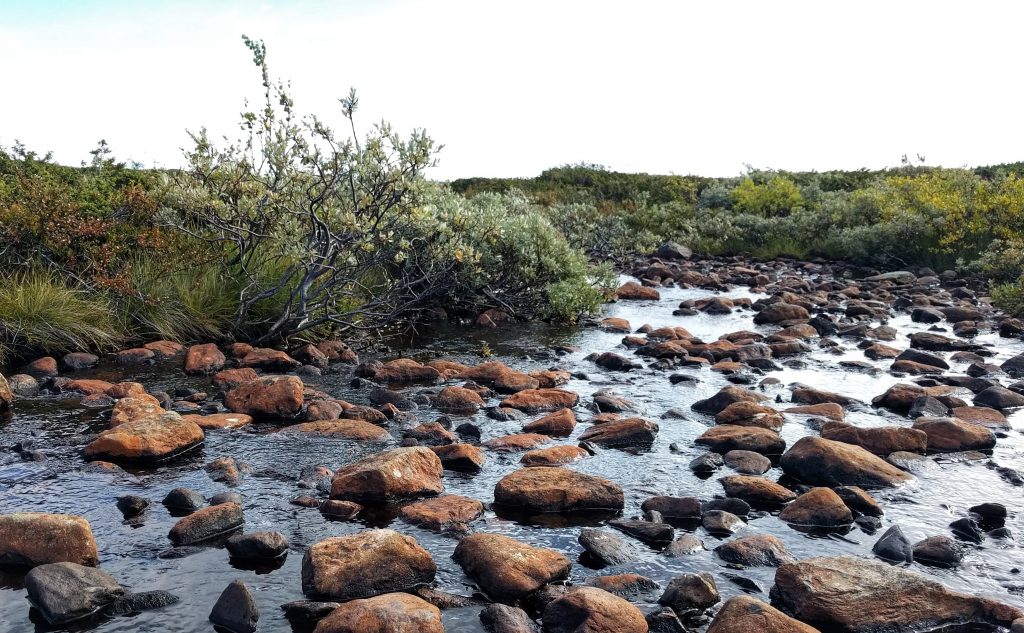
(130, 554)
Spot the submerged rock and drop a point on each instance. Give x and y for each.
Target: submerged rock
(501, 618)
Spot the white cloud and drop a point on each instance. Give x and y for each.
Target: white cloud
(513, 88)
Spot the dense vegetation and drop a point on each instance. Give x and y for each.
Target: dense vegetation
(296, 230)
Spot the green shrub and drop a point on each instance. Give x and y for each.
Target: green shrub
(40, 313)
(1009, 297)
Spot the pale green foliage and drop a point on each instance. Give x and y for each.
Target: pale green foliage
(509, 256)
(779, 196)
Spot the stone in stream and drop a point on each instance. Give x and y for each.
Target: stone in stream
(624, 433)
(460, 457)
(858, 500)
(656, 535)
(747, 462)
(400, 370)
(257, 546)
(894, 546)
(506, 569)
(228, 379)
(615, 362)
(880, 440)
(65, 592)
(356, 430)
(365, 564)
(558, 424)
(967, 529)
(857, 596)
(818, 461)
(809, 396)
(204, 359)
(458, 400)
(633, 291)
(780, 313)
(183, 499)
(336, 510)
(236, 609)
(684, 545)
(690, 593)
(132, 505)
(818, 507)
(754, 550)
(402, 473)
(687, 508)
(76, 361)
(501, 618)
(938, 551)
(207, 524)
(554, 456)
(721, 522)
(953, 435)
(430, 434)
(541, 400)
(443, 513)
(592, 609)
(923, 358)
(982, 416)
(555, 489)
(21, 385)
(750, 414)
(269, 396)
(607, 547)
(28, 539)
(707, 463)
(41, 368)
(743, 614)
(728, 437)
(133, 603)
(228, 496)
(728, 395)
(927, 406)
(303, 612)
(1001, 398)
(386, 613)
(900, 397)
(756, 490)
(515, 442)
(152, 438)
(623, 585)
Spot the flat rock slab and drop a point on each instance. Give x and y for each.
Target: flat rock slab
(818, 461)
(65, 592)
(153, 438)
(864, 596)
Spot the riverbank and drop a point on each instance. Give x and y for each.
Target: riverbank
(776, 337)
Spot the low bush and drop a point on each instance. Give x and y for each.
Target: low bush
(39, 312)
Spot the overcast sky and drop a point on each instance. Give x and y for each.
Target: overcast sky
(511, 88)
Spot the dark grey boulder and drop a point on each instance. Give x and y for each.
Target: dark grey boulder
(65, 592)
(236, 609)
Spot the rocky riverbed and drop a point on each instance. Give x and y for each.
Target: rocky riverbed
(734, 446)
